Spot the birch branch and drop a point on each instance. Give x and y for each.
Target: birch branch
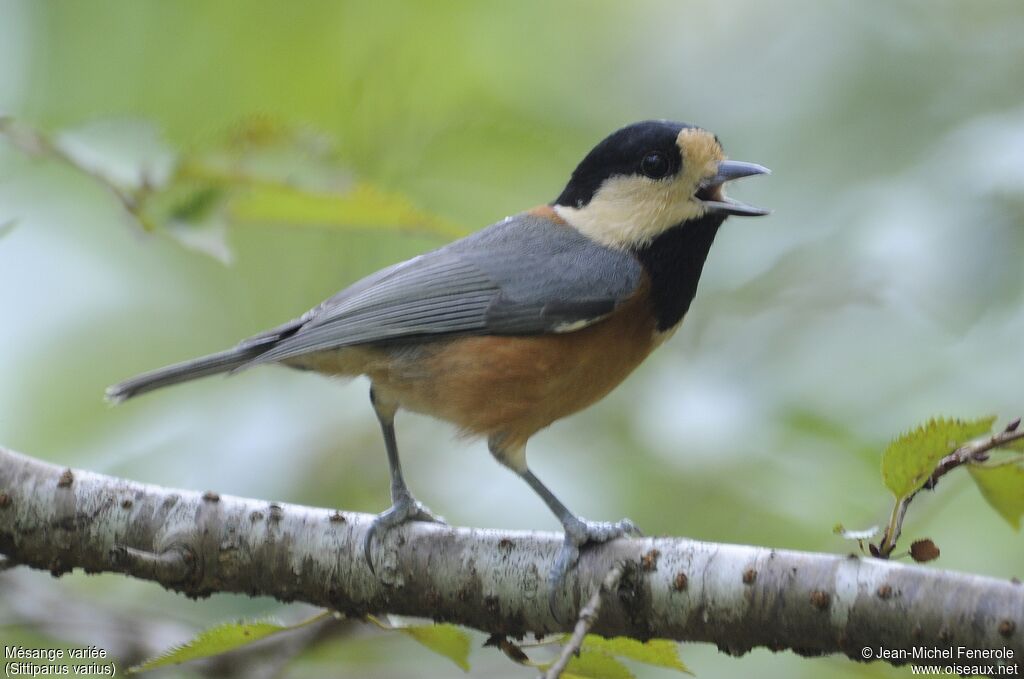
(737, 597)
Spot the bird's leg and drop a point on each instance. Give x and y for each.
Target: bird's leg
(578, 531)
(404, 507)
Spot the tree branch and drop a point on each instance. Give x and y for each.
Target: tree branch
(737, 597)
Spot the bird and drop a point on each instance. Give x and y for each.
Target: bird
(524, 322)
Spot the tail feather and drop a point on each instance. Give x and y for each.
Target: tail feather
(220, 362)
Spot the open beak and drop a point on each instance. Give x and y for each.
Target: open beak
(711, 196)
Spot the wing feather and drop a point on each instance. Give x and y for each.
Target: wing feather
(525, 275)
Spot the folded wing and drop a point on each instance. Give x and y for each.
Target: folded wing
(525, 275)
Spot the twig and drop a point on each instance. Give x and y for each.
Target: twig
(973, 452)
(588, 616)
(36, 143)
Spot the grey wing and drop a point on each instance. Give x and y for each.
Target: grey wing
(525, 275)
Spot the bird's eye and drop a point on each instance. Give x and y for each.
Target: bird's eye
(654, 165)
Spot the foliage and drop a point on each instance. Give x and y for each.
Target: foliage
(919, 458)
(599, 651)
(442, 638)
(911, 458)
(221, 639)
(261, 173)
(1002, 486)
(598, 657)
(594, 665)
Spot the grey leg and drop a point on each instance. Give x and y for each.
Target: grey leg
(404, 507)
(578, 531)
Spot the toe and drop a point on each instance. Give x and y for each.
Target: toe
(404, 509)
(367, 544)
(584, 532)
(627, 527)
(423, 513)
(568, 555)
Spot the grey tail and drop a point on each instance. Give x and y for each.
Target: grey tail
(220, 362)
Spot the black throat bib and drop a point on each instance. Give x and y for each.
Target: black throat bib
(674, 261)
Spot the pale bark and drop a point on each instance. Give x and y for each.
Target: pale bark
(734, 596)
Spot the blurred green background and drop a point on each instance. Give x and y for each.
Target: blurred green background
(886, 288)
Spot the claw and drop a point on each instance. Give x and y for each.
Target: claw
(405, 509)
(578, 534)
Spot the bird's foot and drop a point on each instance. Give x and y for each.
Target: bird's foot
(579, 533)
(404, 508)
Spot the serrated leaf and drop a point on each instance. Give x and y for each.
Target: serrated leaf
(361, 206)
(192, 213)
(443, 639)
(266, 173)
(857, 535)
(593, 665)
(1002, 487)
(215, 641)
(657, 652)
(910, 459)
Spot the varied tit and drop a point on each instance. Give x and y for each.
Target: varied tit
(525, 322)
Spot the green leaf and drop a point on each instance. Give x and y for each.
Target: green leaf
(593, 665)
(195, 203)
(360, 206)
(192, 213)
(265, 173)
(1003, 487)
(215, 641)
(443, 639)
(910, 459)
(657, 652)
